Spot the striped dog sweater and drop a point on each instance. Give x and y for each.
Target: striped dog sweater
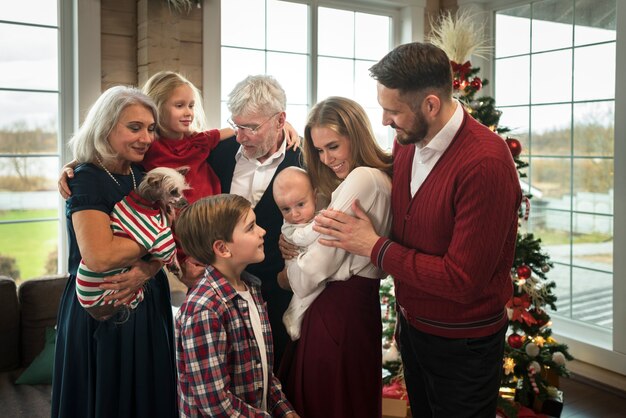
(135, 218)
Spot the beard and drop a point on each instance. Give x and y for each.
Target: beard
(416, 134)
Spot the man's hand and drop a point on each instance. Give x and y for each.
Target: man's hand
(67, 172)
(353, 234)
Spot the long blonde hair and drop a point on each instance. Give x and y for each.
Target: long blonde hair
(347, 118)
(160, 87)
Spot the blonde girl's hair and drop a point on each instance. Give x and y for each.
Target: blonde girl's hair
(92, 138)
(347, 118)
(160, 87)
(207, 220)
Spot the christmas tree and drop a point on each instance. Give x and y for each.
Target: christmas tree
(533, 359)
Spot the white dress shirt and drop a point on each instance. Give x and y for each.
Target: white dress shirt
(251, 178)
(426, 157)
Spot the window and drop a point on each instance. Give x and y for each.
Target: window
(555, 67)
(29, 140)
(280, 39)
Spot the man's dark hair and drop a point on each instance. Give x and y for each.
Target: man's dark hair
(414, 68)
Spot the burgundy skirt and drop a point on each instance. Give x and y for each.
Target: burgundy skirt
(334, 369)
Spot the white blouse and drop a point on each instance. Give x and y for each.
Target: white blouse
(319, 263)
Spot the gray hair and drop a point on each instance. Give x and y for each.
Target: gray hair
(92, 138)
(260, 94)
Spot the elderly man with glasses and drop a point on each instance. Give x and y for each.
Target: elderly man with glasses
(246, 165)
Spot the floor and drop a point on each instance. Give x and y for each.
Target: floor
(583, 399)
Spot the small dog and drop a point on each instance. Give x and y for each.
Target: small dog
(145, 216)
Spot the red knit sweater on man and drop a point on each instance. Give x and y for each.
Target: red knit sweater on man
(453, 243)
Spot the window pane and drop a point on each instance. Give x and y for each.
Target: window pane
(560, 274)
(41, 12)
(364, 85)
(340, 40)
(372, 36)
(291, 72)
(35, 175)
(551, 130)
(243, 23)
(592, 297)
(551, 176)
(30, 248)
(29, 57)
(513, 81)
(29, 111)
(513, 31)
(237, 64)
(296, 115)
(593, 81)
(516, 119)
(335, 77)
(552, 24)
(595, 21)
(593, 185)
(551, 77)
(594, 128)
(292, 36)
(593, 240)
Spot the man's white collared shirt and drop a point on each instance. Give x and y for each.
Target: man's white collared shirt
(251, 178)
(426, 157)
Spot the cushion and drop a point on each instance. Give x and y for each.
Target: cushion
(39, 301)
(40, 370)
(9, 325)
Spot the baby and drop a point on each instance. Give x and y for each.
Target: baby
(296, 198)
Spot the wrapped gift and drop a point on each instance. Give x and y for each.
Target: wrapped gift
(395, 400)
(551, 407)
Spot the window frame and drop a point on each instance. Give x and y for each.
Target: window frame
(590, 344)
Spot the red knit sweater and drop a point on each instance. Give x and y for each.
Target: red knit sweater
(192, 152)
(453, 243)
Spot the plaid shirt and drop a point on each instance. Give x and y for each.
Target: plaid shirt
(219, 364)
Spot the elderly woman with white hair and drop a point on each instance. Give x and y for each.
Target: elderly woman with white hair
(123, 366)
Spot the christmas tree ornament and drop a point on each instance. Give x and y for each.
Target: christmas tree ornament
(509, 365)
(532, 349)
(514, 146)
(558, 358)
(476, 83)
(524, 272)
(515, 341)
(545, 268)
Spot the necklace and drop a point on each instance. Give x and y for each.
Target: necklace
(113, 178)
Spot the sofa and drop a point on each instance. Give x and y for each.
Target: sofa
(28, 315)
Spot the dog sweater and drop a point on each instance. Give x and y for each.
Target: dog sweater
(140, 220)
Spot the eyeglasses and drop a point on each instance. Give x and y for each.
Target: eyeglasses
(250, 130)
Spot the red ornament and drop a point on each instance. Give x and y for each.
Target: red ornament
(477, 83)
(456, 84)
(524, 272)
(515, 340)
(514, 146)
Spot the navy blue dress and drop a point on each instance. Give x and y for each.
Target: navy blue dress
(112, 368)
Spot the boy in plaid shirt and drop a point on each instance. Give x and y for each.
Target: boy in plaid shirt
(223, 338)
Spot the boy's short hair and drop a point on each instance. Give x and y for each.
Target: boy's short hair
(208, 220)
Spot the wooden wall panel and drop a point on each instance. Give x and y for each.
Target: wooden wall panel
(119, 42)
